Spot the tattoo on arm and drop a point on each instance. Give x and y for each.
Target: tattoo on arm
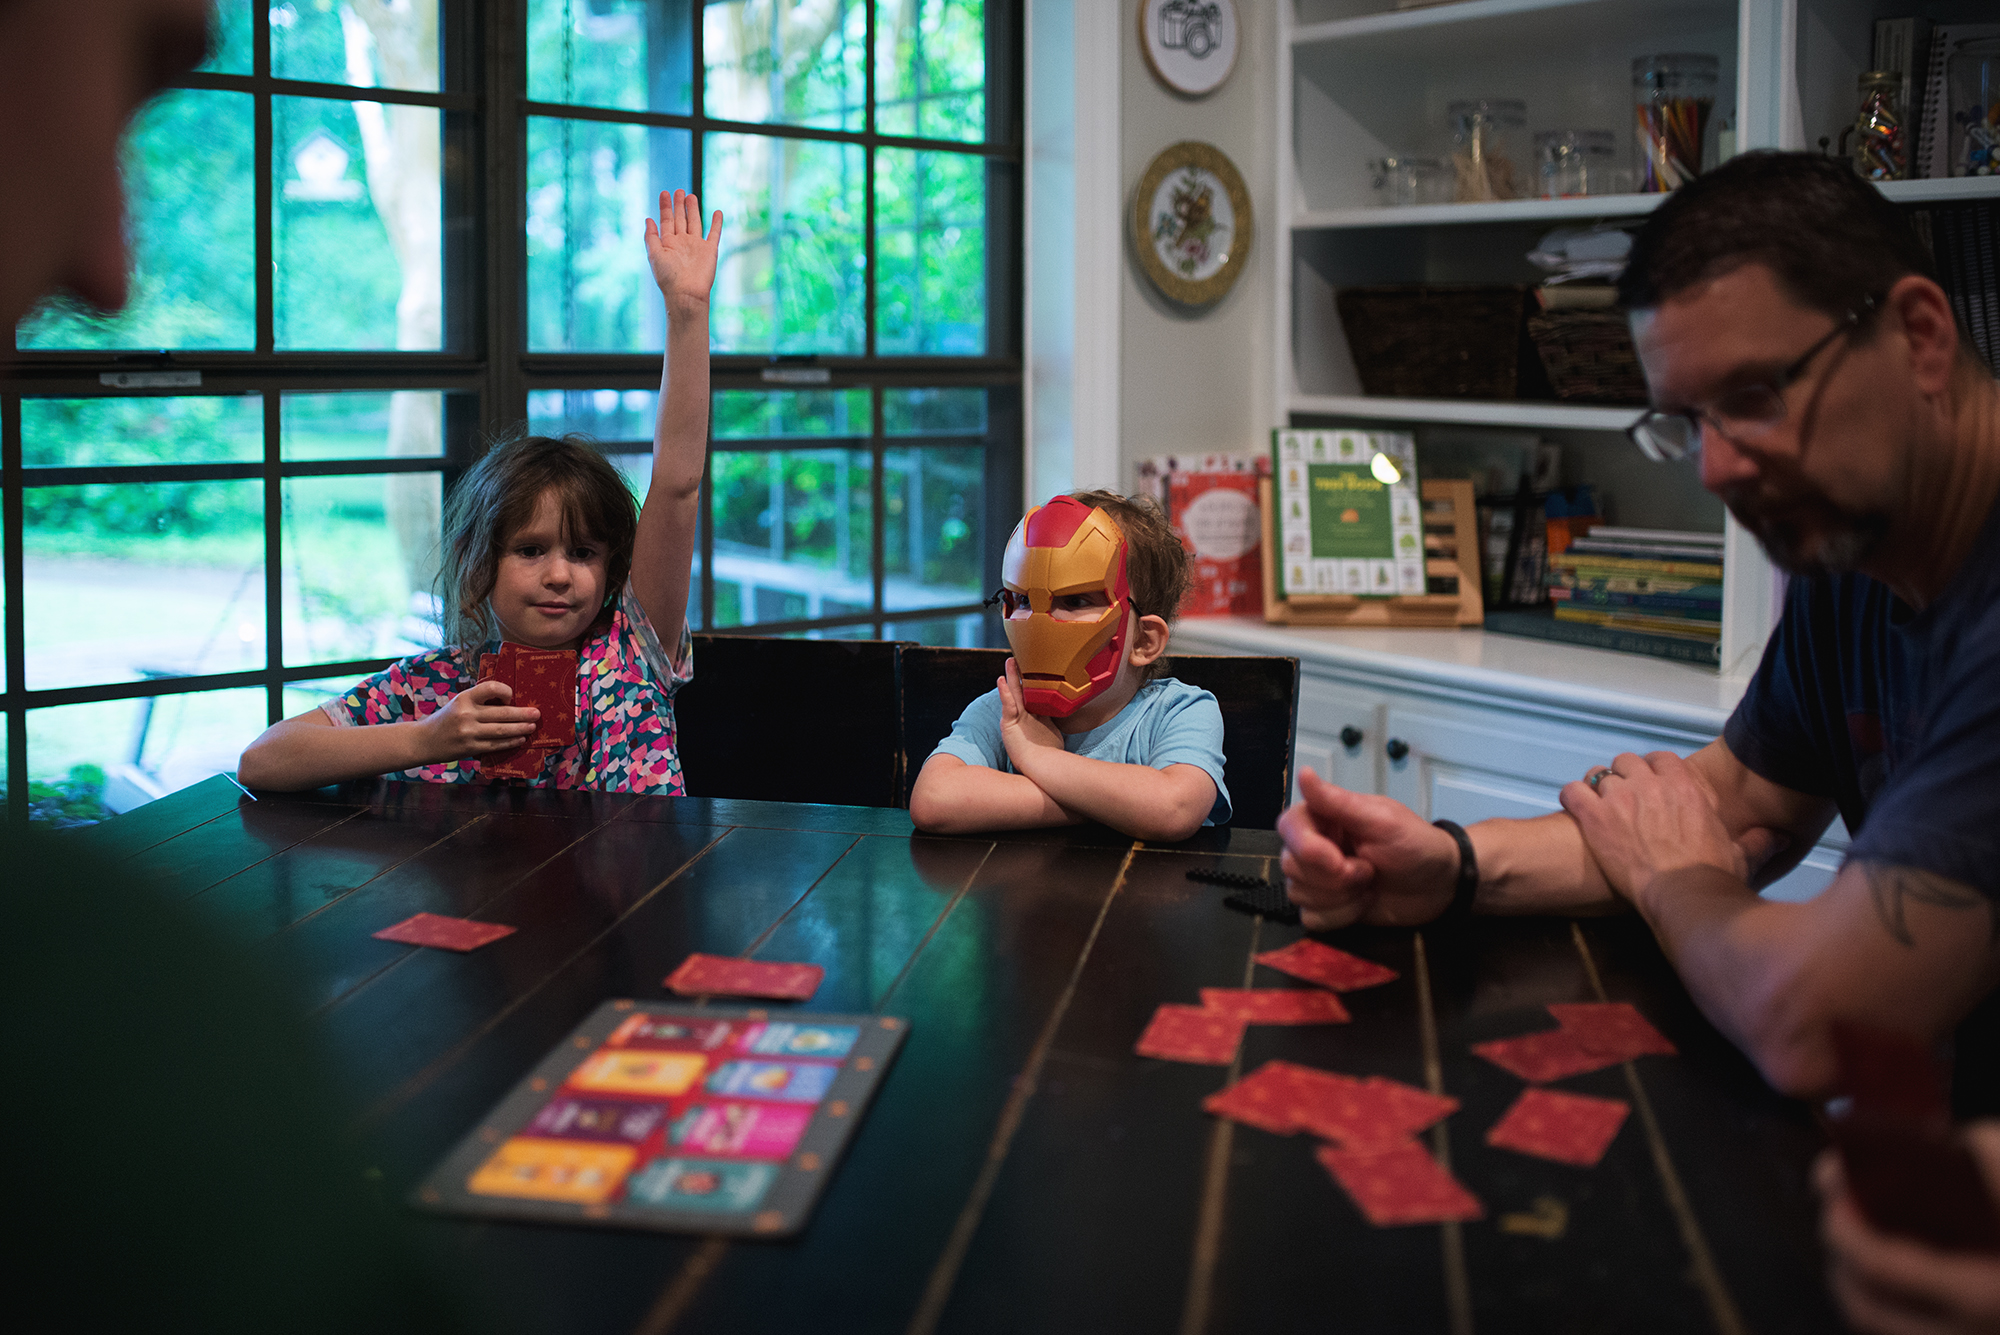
(1894, 888)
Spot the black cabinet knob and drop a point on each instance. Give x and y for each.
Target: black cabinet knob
(1350, 736)
(1397, 748)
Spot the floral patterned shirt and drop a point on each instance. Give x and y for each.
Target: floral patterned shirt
(625, 682)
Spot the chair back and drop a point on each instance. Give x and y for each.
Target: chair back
(783, 720)
(1259, 696)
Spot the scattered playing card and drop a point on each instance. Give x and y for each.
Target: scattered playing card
(432, 929)
(1282, 1097)
(1191, 1034)
(1569, 1128)
(1540, 1058)
(725, 976)
(1270, 1005)
(1400, 1183)
(1611, 1029)
(1268, 1099)
(1319, 963)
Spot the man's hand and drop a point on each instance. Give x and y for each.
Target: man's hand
(1352, 857)
(683, 262)
(1021, 732)
(1890, 1285)
(1650, 814)
(477, 722)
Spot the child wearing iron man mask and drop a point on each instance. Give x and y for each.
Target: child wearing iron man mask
(1084, 725)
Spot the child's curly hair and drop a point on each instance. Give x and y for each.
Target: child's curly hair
(1157, 568)
(498, 495)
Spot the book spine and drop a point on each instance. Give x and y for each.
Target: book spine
(1700, 652)
(1676, 626)
(1587, 565)
(1692, 606)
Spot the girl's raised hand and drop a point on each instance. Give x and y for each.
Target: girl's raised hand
(477, 722)
(683, 260)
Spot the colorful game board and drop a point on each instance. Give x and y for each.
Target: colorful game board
(674, 1117)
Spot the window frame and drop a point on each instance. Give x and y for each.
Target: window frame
(485, 367)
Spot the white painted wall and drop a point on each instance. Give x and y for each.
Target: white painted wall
(1072, 246)
(1193, 381)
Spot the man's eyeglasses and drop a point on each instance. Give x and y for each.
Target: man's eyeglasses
(1747, 411)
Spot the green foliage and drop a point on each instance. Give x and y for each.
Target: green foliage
(70, 433)
(192, 206)
(930, 77)
(68, 802)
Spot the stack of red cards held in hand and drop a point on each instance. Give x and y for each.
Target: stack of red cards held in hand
(1372, 1125)
(727, 976)
(1209, 1033)
(543, 679)
(1591, 1036)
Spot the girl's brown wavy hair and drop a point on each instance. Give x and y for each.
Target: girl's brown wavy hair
(498, 495)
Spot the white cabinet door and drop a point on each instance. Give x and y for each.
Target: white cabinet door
(1340, 735)
(1452, 756)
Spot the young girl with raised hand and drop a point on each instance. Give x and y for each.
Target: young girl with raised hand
(542, 548)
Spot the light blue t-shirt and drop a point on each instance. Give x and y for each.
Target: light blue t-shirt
(1166, 723)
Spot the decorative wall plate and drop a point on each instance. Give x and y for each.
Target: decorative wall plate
(1190, 45)
(1191, 223)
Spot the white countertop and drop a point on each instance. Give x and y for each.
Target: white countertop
(1510, 667)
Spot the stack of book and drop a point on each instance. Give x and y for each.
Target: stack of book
(1656, 591)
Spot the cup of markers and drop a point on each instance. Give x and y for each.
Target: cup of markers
(1673, 96)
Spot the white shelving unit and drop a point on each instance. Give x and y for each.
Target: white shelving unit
(1358, 79)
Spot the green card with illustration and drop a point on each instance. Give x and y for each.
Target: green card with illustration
(1349, 517)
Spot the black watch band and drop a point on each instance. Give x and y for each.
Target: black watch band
(1460, 907)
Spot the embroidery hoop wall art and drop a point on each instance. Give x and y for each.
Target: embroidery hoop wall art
(1191, 223)
(1190, 45)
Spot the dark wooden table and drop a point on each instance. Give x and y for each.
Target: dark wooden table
(1021, 1169)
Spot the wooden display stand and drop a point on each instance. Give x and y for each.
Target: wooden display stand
(1451, 547)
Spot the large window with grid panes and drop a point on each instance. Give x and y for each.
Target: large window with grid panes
(222, 503)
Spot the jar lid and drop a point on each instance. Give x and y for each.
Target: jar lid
(1504, 109)
(1587, 141)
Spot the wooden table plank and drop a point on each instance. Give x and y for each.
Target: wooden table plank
(979, 995)
(237, 839)
(159, 820)
(331, 952)
(314, 873)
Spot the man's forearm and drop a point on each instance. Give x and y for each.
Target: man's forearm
(1537, 866)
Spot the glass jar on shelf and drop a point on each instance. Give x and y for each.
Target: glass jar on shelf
(1673, 95)
(1575, 162)
(1881, 139)
(1489, 149)
(1972, 82)
(1402, 181)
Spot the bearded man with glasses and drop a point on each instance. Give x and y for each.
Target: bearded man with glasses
(1802, 356)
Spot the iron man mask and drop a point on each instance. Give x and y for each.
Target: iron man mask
(1064, 547)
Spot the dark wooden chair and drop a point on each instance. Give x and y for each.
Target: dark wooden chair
(1259, 696)
(782, 720)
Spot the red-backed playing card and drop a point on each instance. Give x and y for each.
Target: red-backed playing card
(1268, 1099)
(725, 976)
(1569, 1128)
(1540, 1058)
(545, 679)
(1191, 1034)
(1611, 1029)
(431, 929)
(1361, 1113)
(1273, 1005)
(1400, 1183)
(1319, 963)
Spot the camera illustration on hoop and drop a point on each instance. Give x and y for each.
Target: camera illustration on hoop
(1190, 45)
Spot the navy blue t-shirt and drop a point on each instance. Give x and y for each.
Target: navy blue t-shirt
(1893, 713)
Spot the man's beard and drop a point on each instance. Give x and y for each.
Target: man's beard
(1809, 535)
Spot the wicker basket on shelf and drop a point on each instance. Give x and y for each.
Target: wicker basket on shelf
(1588, 356)
(1439, 341)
